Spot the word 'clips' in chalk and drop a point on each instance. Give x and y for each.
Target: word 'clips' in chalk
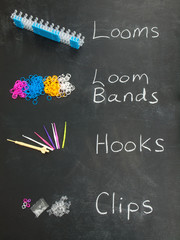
(55, 34)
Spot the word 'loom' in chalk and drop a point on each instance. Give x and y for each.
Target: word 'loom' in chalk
(55, 34)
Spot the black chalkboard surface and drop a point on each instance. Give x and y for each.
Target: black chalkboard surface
(120, 165)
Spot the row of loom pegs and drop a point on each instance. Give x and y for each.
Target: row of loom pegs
(45, 146)
(43, 29)
(34, 86)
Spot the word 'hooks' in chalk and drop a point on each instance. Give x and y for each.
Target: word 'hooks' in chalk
(51, 32)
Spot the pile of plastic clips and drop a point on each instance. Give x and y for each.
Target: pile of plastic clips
(34, 86)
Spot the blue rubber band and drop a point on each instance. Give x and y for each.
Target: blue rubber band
(35, 102)
(49, 98)
(27, 98)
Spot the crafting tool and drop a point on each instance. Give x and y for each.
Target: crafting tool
(43, 149)
(57, 138)
(54, 135)
(41, 144)
(44, 140)
(49, 137)
(51, 32)
(64, 137)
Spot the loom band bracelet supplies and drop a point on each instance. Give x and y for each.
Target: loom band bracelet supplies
(68, 92)
(67, 77)
(17, 81)
(24, 205)
(22, 95)
(58, 95)
(14, 96)
(44, 79)
(49, 98)
(44, 140)
(41, 144)
(17, 90)
(54, 134)
(24, 81)
(35, 102)
(64, 137)
(28, 205)
(11, 90)
(54, 77)
(59, 35)
(27, 200)
(24, 84)
(50, 139)
(27, 98)
(25, 88)
(42, 149)
(57, 138)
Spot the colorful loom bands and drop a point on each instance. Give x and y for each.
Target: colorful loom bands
(19, 89)
(34, 86)
(52, 86)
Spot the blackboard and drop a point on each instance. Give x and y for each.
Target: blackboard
(116, 153)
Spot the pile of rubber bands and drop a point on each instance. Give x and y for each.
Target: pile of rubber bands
(34, 86)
